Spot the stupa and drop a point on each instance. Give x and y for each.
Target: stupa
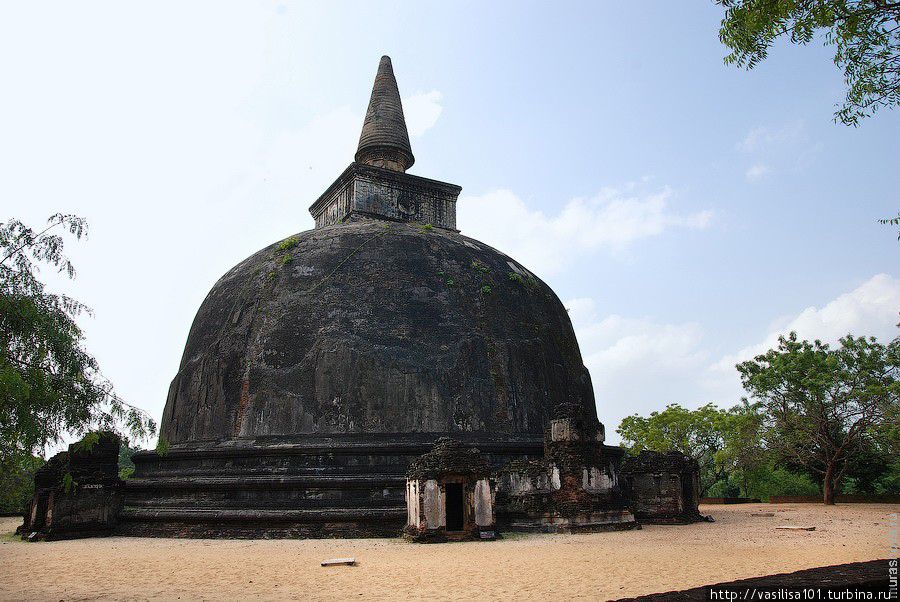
(318, 368)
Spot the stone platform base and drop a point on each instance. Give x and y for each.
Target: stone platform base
(314, 486)
(680, 519)
(264, 524)
(593, 522)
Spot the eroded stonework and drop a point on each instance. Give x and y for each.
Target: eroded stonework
(449, 495)
(363, 190)
(573, 488)
(663, 488)
(376, 327)
(318, 368)
(77, 493)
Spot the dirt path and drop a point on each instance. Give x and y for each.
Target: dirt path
(596, 566)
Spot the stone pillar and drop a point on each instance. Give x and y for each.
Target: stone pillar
(433, 506)
(484, 505)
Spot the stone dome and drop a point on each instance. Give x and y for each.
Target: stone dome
(373, 326)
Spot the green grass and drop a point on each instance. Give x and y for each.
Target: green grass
(288, 243)
(515, 277)
(480, 267)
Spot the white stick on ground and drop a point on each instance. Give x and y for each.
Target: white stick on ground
(339, 561)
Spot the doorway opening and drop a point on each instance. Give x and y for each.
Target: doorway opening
(454, 506)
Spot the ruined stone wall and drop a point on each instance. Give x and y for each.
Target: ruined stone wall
(573, 488)
(428, 478)
(657, 495)
(78, 493)
(662, 487)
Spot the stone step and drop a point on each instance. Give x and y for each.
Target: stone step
(182, 514)
(286, 503)
(267, 482)
(313, 493)
(360, 470)
(261, 523)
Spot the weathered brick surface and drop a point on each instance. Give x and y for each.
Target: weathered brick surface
(318, 367)
(663, 487)
(77, 493)
(373, 191)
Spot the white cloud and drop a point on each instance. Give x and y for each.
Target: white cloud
(422, 111)
(869, 310)
(639, 365)
(762, 138)
(613, 219)
(777, 149)
(755, 172)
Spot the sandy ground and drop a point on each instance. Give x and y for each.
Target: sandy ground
(595, 566)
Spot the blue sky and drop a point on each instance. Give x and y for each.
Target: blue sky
(686, 212)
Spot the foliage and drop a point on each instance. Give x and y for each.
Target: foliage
(69, 484)
(288, 243)
(743, 451)
(162, 446)
(807, 399)
(480, 267)
(769, 480)
(724, 488)
(448, 280)
(865, 34)
(17, 482)
(88, 442)
(486, 289)
(891, 221)
(702, 434)
(515, 277)
(286, 259)
(49, 384)
(126, 465)
(823, 407)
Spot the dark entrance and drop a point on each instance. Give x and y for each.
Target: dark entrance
(454, 506)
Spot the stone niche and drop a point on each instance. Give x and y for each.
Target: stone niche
(77, 493)
(663, 487)
(574, 488)
(449, 495)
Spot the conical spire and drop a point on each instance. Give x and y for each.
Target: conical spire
(384, 141)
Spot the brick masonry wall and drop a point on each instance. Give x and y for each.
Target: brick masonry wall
(394, 196)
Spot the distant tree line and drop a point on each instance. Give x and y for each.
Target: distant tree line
(817, 421)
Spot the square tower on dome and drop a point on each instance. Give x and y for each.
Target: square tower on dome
(375, 184)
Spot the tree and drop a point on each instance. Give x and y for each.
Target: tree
(698, 433)
(17, 482)
(891, 221)
(823, 405)
(865, 34)
(744, 456)
(49, 384)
